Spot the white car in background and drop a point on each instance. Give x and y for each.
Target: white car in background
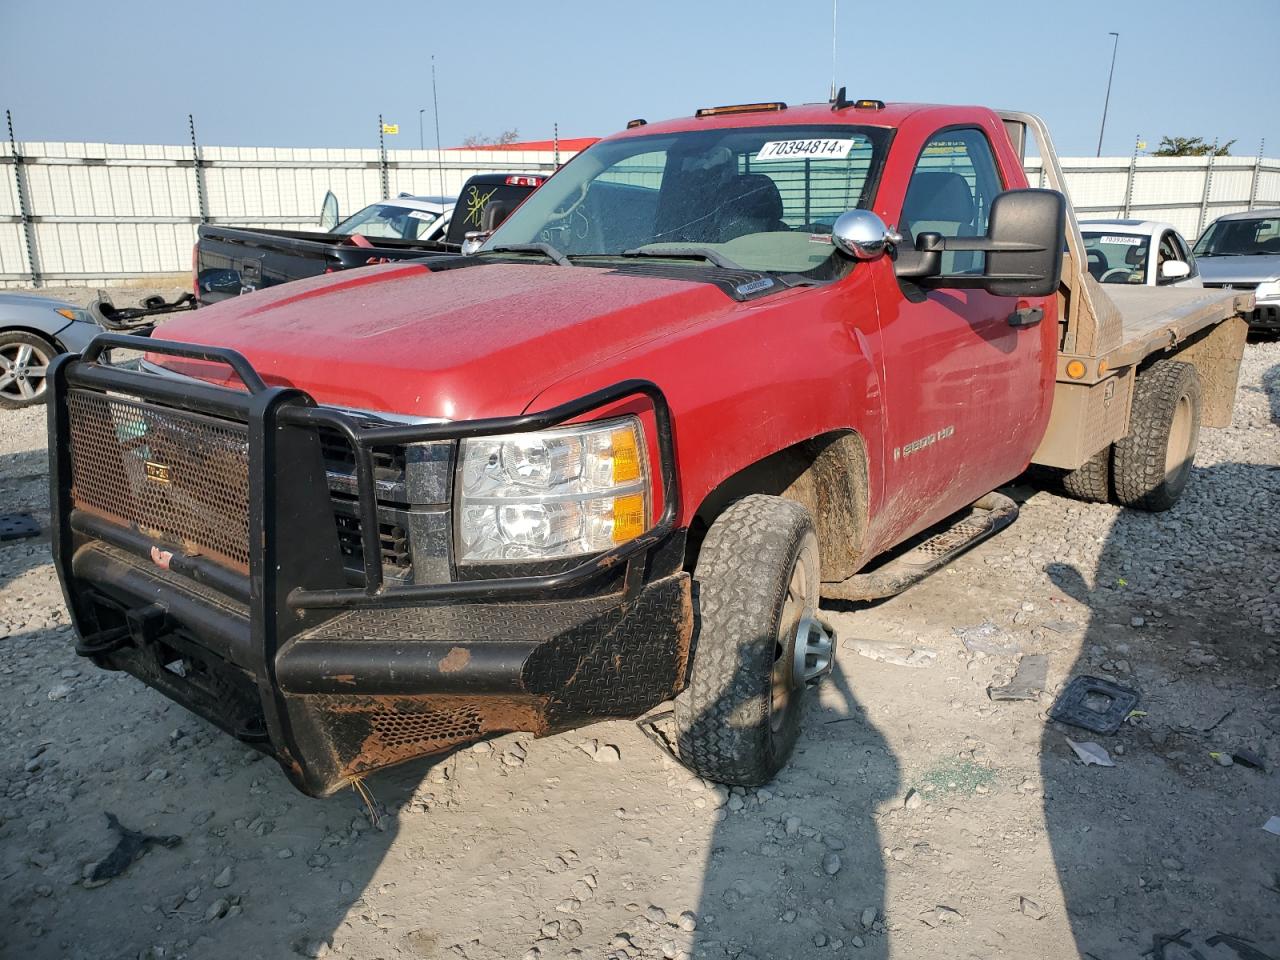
(405, 217)
(1121, 251)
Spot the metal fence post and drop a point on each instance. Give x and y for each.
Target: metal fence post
(24, 206)
(1208, 186)
(202, 201)
(382, 159)
(1133, 172)
(1257, 174)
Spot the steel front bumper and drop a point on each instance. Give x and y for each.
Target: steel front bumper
(331, 679)
(1266, 316)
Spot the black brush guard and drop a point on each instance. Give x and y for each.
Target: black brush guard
(334, 680)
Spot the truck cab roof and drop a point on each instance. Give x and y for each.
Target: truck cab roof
(882, 115)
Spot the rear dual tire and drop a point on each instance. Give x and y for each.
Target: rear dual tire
(1148, 469)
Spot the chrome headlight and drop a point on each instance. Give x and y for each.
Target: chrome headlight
(1270, 290)
(552, 494)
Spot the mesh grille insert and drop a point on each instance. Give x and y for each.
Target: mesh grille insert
(173, 475)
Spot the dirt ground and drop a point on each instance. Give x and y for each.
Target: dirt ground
(918, 818)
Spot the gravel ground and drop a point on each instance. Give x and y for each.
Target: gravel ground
(919, 818)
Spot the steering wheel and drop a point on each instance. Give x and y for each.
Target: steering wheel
(1115, 275)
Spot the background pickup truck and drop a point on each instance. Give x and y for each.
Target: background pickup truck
(693, 385)
(229, 261)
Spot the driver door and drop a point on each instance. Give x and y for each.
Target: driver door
(964, 385)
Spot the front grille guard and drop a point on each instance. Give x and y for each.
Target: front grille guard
(270, 411)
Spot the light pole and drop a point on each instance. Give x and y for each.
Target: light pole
(420, 113)
(1106, 103)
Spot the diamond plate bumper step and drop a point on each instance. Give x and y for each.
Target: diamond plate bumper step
(18, 526)
(986, 517)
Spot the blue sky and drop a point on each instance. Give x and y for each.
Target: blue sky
(318, 73)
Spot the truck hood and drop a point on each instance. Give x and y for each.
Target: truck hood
(476, 341)
(1239, 269)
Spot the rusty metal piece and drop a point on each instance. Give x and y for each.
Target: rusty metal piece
(396, 729)
(455, 660)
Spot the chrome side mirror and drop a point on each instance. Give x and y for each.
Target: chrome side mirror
(862, 235)
(473, 240)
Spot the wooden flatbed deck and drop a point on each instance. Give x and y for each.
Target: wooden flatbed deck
(1156, 318)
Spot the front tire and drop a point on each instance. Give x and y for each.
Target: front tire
(1151, 465)
(24, 365)
(757, 578)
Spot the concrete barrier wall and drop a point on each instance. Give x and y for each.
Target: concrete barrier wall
(98, 213)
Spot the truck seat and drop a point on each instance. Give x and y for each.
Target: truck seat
(941, 202)
(753, 205)
(938, 203)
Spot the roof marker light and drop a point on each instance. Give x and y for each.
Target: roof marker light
(773, 105)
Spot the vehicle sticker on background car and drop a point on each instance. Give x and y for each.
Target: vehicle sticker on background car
(805, 150)
(423, 214)
(1123, 240)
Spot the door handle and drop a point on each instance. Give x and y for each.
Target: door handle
(1026, 316)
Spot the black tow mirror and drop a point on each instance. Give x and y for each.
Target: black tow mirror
(493, 215)
(1023, 247)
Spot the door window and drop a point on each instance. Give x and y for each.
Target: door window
(950, 192)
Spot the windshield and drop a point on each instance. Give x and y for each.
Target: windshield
(762, 198)
(1241, 238)
(1117, 257)
(389, 220)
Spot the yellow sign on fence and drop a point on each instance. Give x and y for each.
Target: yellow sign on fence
(391, 128)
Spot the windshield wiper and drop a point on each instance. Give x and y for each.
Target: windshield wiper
(686, 253)
(546, 249)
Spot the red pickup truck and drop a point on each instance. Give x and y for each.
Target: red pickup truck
(714, 370)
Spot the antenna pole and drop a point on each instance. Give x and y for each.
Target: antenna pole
(1107, 102)
(833, 49)
(435, 106)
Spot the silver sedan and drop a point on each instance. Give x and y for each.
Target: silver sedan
(33, 330)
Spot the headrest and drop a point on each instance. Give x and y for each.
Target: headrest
(755, 195)
(938, 196)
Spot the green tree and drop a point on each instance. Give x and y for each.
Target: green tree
(1191, 147)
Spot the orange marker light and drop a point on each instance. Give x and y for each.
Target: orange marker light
(1075, 369)
(628, 517)
(626, 457)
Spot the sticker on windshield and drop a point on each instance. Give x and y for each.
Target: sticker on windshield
(423, 214)
(1122, 240)
(805, 150)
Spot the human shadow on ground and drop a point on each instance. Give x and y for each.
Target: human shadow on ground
(771, 886)
(1168, 843)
